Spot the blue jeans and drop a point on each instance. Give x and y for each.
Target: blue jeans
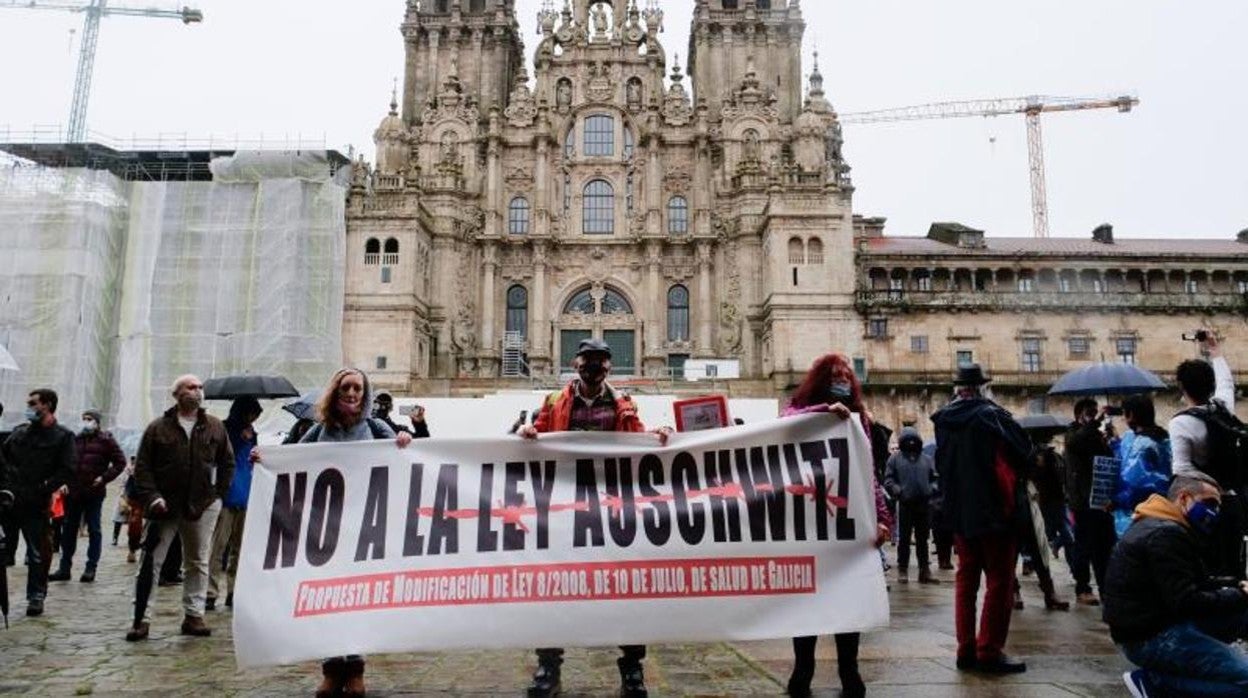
(1194, 658)
(75, 512)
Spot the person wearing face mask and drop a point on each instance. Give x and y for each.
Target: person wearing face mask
(183, 469)
(100, 461)
(41, 454)
(831, 386)
(1167, 613)
(589, 403)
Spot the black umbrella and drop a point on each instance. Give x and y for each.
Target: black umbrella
(146, 579)
(303, 408)
(4, 579)
(259, 387)
(1107, 378)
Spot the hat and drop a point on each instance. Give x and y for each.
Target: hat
(384, 398)
(593, 346)
(94, 414)
(971, 374)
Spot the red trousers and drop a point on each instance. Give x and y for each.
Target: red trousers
(994, 557)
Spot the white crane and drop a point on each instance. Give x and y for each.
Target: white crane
(93, 11)
(1032, 107)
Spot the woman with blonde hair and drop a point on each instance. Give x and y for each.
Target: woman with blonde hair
(342, 412)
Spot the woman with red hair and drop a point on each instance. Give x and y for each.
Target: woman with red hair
(831, 386)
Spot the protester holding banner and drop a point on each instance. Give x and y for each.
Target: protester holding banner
(589, 403)
(831, 387)
(980, 453)
(184, 468)
(341, 410)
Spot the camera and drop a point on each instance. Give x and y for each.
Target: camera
(1198, 336)
(1113, 411)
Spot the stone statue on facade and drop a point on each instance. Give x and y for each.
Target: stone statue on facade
(599, 15)
(563, 95)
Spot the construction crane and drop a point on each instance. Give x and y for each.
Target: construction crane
(1031, 107)
(92, 12)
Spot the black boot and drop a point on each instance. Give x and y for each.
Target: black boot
(545, 682)
(632, 679)
(803, 667)
(88, 575)
(60, 575)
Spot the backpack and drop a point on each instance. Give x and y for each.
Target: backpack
(1226, 447)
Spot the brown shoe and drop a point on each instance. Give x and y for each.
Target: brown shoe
(1087, 599)
(138, 632)
(130, 556)
(194, 626)
(353, 679)
(331, 683)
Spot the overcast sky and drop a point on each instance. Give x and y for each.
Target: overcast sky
(1176, 167)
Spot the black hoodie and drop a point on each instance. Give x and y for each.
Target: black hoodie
(970, 433)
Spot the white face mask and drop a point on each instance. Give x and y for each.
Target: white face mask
(88, 426)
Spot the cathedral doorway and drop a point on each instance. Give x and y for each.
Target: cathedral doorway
(599, 312)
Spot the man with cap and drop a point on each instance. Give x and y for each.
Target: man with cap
(980, 451)
(589, 403)
(100, 461)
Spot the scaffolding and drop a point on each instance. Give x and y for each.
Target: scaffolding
(112, 287)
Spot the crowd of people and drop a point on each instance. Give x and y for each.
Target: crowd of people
(1163, 546)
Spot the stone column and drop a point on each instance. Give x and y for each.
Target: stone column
(654, 325)
(541, 189)
(704, 300)
(435, 38)
(489, 263)
(539, 314)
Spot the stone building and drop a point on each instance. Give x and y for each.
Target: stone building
(703, 217)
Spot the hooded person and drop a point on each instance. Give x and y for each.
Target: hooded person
(227, 539)
(910, 477)
(1166, 611)
(100, 461)
(980, 455)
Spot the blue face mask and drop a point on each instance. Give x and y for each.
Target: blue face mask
(1202, 517)
(32, 416)
(842, 393)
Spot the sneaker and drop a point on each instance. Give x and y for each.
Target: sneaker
(1135, 683)
(1001, 665)
(545, 682)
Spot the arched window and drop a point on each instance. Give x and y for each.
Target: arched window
(518, 216)
(615, 304)
(372, 251)
(797, 251)
(599, 208)
(678, 314)
(476, 6)
(582, 303)
(518, 310)
(814, 251)
(391, 253)
(599, 135)
(677, 215)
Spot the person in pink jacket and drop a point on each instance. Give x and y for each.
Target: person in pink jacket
(831, 386)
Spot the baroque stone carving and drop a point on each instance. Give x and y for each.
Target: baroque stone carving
(522, 108)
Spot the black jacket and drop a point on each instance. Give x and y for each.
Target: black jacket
(969, 435)
(189, 474)
(40, 460)
(1084, 443)
(1156, 578)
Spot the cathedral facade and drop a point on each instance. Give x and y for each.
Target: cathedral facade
(706, 218)
(675, 217)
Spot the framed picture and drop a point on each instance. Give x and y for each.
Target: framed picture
(700, 413)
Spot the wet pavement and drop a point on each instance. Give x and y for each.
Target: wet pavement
(78, 648)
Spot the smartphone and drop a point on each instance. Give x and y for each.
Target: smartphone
(1113, 411)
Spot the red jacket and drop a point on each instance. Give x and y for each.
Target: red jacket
(99, 456)
(556, 412)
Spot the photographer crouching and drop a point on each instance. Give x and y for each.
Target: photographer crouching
(1166, 612)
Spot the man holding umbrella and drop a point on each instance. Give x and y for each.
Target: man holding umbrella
(184, 468)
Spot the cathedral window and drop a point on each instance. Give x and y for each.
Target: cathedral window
(599, 208)
(442, 6)
(730, 4)
(1126, 349)
(678, 314)
(797, 251)
(582, 303)
(390, 256)
(372, 252)
(476, 6)
(677, 215)
(600, 136)
(518, 216)
(615, 304)
(518, 310)
(814, 251)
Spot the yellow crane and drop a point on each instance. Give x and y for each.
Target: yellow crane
(1031, 107)
(92, 12)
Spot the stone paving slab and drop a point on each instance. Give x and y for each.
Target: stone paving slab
(78, 648)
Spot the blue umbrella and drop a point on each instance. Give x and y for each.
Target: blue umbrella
(304, 407)
(1107, 379)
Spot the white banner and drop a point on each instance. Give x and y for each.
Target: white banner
(575, 539)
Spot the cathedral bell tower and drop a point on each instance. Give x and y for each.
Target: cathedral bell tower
(477, 40)
(726, 34)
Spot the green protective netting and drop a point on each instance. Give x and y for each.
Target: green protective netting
(111, 289)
